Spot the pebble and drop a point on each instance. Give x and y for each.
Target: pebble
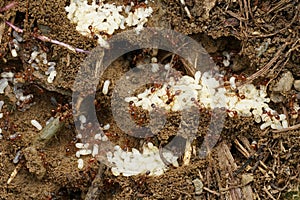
(285, 83)
(276, 97)
(1, 104)
(3, 85)
(297, 85)
(198, 186)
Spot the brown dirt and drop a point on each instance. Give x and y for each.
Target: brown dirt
(50, 171)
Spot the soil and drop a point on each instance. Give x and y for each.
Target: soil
(235, 168)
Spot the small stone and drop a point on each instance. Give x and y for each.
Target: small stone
(3, 85)
(198, 186)
(276, 97)
(297, 85)
(285, 83)
(246, 179)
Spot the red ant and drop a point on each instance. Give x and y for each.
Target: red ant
(137, 116)
(15, 136)
(275, 115)
(92, 32)
(10, 127)
(291, 105)
(240, 77)
(132, 109)
(137, 4)
(26, 76)
(64, 111)
(232, 113)
(238, 95)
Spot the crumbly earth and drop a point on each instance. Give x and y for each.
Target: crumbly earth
(239, 27)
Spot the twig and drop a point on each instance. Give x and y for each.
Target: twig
(237, 16)
(241, 149)
(275, 33)
(8, 6)
(187, 153)
(2, 26)
(249, 160)
(268, 193)
(291, 128)
(278, 5)
(14, 27)
(14, 173)
(272, 71)
(211, 191)
(93, 192)
(250, 9)
(246, 9)
(186, 9)
(191, 70)
(287, 55)
(278, 188)
(46, 39)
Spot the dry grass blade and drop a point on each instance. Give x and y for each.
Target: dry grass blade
(94, 192)
(278, 6)
(291, 128)
(8, 6)
(228, 166)
(2, 26)
(191, 70)
(295, 18)
(14, 173)
(46, 39)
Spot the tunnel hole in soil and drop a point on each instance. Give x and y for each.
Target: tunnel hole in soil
(223, 48)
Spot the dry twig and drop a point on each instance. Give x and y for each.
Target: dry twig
(291, 128)
(46, 39)
(94, 192)
(8, 6)
(296, 17)
(14, 173)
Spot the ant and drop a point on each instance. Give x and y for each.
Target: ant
(137, 3)
(232, 113)
(138, 116)
(292, 105)
(272, 115)
(92, 31)
(64, 111)
(26, 76)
